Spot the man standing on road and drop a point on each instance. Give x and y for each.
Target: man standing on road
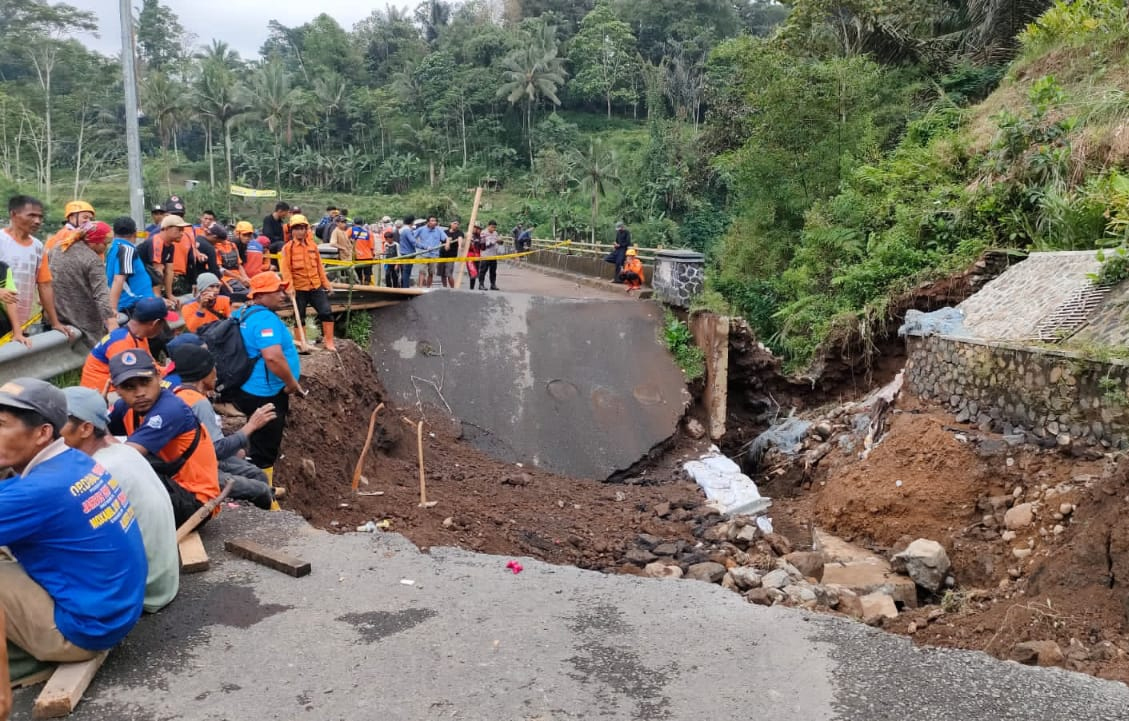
(302, 270)
(277, 367)
(88, 430)
(274, 224)
(407, 246)
(622, 243)
(429, 239)
(450, 249)
(126, 274)
(491, 248)
(364, 249)
(163, 428)
(27, 259)
(83, 297)
(78, 583)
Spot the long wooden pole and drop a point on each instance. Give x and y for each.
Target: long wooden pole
(5, 682)
(464, 244)
(422, 476)
(364, 449)
(299, 323)
(198, 517)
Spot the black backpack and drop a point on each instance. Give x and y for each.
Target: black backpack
(225, 340)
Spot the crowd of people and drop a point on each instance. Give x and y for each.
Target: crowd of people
(102, 474)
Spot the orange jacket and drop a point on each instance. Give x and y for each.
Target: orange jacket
(634, 265)
(196, 315)
(200, 473)
(301, 266)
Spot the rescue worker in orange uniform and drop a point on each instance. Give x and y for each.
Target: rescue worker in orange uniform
(303, 272)
(632, 274)
(364, 249)
(80, 216)
(235, 280)
(208, 307)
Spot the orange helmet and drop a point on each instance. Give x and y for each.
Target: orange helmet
(631, 251)
(243, 227)
(78, 206)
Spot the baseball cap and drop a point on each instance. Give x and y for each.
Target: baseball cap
(217, 231)
(264, 283)
(129, 364)
(184, 339)
(174, 205)
(157, 209)
(173, 221)
(206, 280)
(148, 310)
(193, 362)
(32, 394)
(87, 404)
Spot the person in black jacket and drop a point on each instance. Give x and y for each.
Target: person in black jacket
(622, 243)
(273, 226)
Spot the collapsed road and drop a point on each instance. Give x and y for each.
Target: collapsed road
(469, 639)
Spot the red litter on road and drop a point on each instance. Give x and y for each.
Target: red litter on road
(515, 567)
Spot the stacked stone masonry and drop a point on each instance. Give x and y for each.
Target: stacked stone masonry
(1048, 394)
(680, 277)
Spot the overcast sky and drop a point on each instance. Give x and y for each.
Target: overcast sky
(242, 24)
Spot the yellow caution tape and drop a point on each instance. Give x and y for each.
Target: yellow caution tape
(413, 260)
(7, 337)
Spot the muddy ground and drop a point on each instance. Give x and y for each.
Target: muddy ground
(955, 485)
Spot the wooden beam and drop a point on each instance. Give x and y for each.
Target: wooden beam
(257, 552)
(32, 679)
(5, 682)
(63, 692)
(193, 557)
(379, 290)
(464, 244)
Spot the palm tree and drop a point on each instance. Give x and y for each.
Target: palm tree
(533, 72)
(276, 102)
(222, 53)
(597, 169)
(220, 100)
(329, 90)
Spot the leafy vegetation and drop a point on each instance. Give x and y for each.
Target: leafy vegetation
(680, 342)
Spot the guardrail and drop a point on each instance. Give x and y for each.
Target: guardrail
(592, 250)
(51, 354)
(586, 259)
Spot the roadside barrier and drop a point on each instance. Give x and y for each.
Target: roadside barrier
(51, 354)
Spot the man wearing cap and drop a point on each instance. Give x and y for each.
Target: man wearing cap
(209, 306)
(27, 259)
(148, 320)
(327, 223)
(128, 279)
(197, 370)
(82, 295)
(77, 585)
(364, 249)
(79, 215)
(157, 252)
(88, 430)
(163, 428)
(157, 214)
(302, 270)
(277, 367)
(619, 253)
(190, 257)
(233, 279)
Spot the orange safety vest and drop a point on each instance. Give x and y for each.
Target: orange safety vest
(301, 266)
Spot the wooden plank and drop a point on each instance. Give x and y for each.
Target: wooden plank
(33, 679)
(257, 552)
(468, 233)
(193, 557)
(63, 692)
(5, 686)
(379, 290)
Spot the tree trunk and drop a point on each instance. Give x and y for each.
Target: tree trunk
(529, 131)
(462, 127)
(227, 158)
(595, 209)
(78, 151)
(609, 97)
(431, 170)
(211, 154)
(278, 167)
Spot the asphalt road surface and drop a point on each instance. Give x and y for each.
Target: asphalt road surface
(468, 639)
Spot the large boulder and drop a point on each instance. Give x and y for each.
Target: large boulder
(925, 562)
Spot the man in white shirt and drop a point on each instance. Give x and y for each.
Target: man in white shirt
(24, 254)
(87, 430)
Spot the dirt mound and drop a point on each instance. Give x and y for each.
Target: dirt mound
(483, 504)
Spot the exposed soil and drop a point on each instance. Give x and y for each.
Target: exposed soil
(956, 485)
(483, 504)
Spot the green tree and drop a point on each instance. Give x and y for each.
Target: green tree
(533, 73)
(158, 36)
(222, 102)
(603, 58)
(274, 100)
(597, 169)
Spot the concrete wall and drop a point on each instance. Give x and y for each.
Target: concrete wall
(1011, 388)
(583, 265)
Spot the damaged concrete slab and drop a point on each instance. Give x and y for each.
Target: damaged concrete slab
(580, 387)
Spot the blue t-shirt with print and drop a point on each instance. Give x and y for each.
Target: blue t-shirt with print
(261, 328)
(123, 259)
(72, 529)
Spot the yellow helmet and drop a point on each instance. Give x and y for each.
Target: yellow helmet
(631, 251)
(243, 227)
(77, 206)
(298, 220)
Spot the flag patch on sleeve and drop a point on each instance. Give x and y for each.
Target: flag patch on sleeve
(266, 333)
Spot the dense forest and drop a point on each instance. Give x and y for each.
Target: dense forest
(825, 154)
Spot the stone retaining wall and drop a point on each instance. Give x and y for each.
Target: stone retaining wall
(1049, 394)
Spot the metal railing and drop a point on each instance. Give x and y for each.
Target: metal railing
(592, 250)
(51, 354)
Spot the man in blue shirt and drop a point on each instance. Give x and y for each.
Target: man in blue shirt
(277, 368)
(429, 239)
(407, 247)
(158, 214)
(77, 584)
(125, 270)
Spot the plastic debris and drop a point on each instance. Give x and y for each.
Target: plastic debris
(407, 582)
(515, 567)
(369, 527)
(946, 321)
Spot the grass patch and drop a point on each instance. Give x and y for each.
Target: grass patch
(680, 342)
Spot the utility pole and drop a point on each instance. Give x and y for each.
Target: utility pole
(132, 131)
